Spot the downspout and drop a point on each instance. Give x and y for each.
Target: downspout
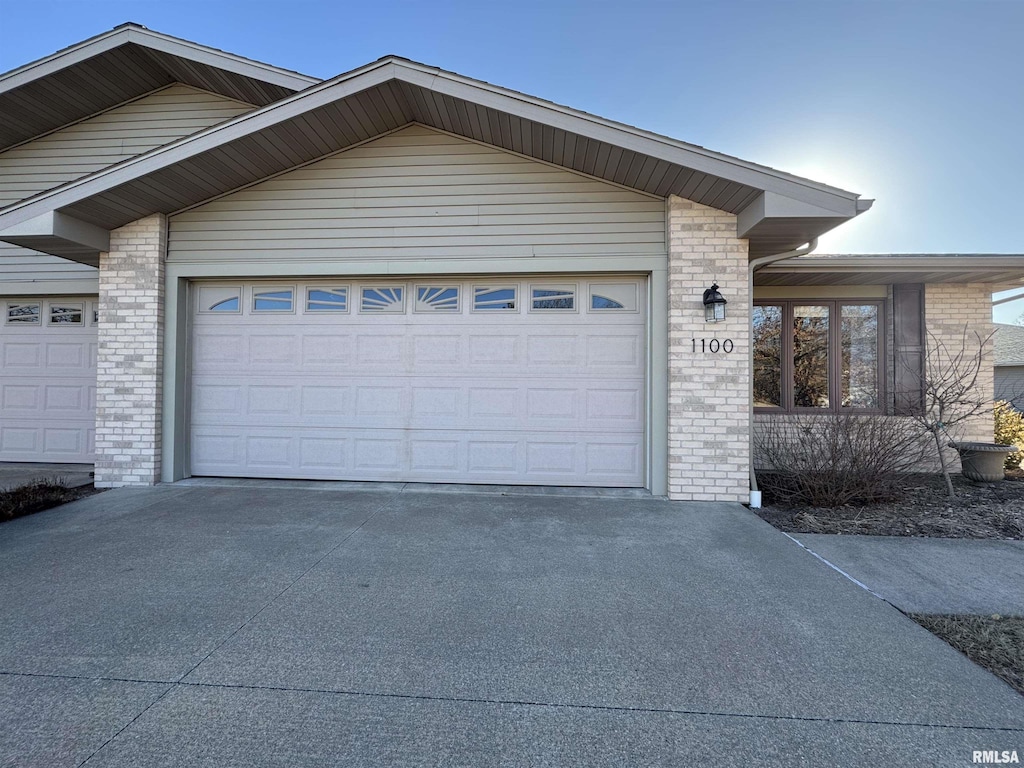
(756, 264)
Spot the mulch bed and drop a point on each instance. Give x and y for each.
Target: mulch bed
(979, 511)
(993, 642)
(37, 497)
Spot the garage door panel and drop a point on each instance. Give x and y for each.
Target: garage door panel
(512, 397)
(474, 404)
(421, 455)
(47, 386)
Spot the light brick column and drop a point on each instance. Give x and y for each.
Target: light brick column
(708, 392)
(130, 355)
(949, 309)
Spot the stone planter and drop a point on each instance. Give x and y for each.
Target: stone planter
(983, 461)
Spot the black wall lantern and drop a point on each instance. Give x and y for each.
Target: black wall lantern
(714, 305)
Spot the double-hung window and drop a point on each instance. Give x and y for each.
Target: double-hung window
(818, 355)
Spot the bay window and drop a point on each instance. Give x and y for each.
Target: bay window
(818, 355)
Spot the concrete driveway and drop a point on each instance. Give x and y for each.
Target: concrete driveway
(262, 626)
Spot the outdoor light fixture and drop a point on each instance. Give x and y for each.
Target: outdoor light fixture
(714, 305)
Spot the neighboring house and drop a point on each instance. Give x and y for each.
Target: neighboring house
(218, 267)
(1009, 364)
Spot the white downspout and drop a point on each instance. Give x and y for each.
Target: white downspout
(756, 264)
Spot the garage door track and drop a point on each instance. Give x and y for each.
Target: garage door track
(252, 625)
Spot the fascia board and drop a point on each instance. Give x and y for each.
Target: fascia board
(62, 59)
(867, 263)
(220, 59)
(148, 39)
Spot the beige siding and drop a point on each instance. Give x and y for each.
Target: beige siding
(108, 138)
(1009, 382)
(88, 146)
(420, 193)
(27, 272)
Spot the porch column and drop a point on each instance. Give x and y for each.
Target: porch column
(709, 367)
(130, 354)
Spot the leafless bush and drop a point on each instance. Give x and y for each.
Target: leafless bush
(829, 460)
(950, 391)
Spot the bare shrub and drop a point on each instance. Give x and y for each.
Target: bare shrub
(829, 460)
(950, 390)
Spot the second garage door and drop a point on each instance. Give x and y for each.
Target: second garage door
(470, 381)
(48, 380)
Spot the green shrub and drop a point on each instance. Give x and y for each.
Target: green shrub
(1010, 431)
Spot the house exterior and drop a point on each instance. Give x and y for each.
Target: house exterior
(1009, 364)
(213, 266)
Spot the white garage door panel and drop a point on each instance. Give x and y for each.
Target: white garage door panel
(48, 384)
(550, 397)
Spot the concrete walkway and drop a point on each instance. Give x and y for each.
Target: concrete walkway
(15, 474)
(921, 575)
(259, 626)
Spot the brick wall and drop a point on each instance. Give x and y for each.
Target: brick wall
(708, 427)
(130, 355)
(949, 309)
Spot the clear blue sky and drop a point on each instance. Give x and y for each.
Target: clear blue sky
(917, 103)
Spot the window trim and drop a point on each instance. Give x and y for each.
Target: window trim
(835, 360)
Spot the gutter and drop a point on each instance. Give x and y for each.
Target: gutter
(756, 264)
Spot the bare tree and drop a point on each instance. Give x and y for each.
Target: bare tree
(949, 390)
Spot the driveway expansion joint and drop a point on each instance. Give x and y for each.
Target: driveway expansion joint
(516, 702)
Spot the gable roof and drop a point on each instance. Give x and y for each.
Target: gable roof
(1009, 347)
(776, 211)
(122, 64)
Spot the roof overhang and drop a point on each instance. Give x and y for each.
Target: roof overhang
(120, 65)
(775, 211)
(60, 235)
(1001, 271)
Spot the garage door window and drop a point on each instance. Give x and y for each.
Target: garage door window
(620, 297)
(273, 300)
(327, 299)
(434, 298)
(220, 298)
(66, 314)
(23, 314)
(561, 297)
(497, 299)
(382, 299)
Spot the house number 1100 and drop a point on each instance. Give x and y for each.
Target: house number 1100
(713, 345)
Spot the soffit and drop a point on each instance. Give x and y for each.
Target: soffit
(869, 269)
(121, 65)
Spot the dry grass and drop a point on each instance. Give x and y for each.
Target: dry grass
(38, 496)
(993, 642)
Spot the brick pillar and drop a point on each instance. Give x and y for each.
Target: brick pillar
(130, 356)
(708, 392)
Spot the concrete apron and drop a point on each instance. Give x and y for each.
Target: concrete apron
(187, 625)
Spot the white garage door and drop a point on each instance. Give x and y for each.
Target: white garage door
(48, 380)
(469, 381)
